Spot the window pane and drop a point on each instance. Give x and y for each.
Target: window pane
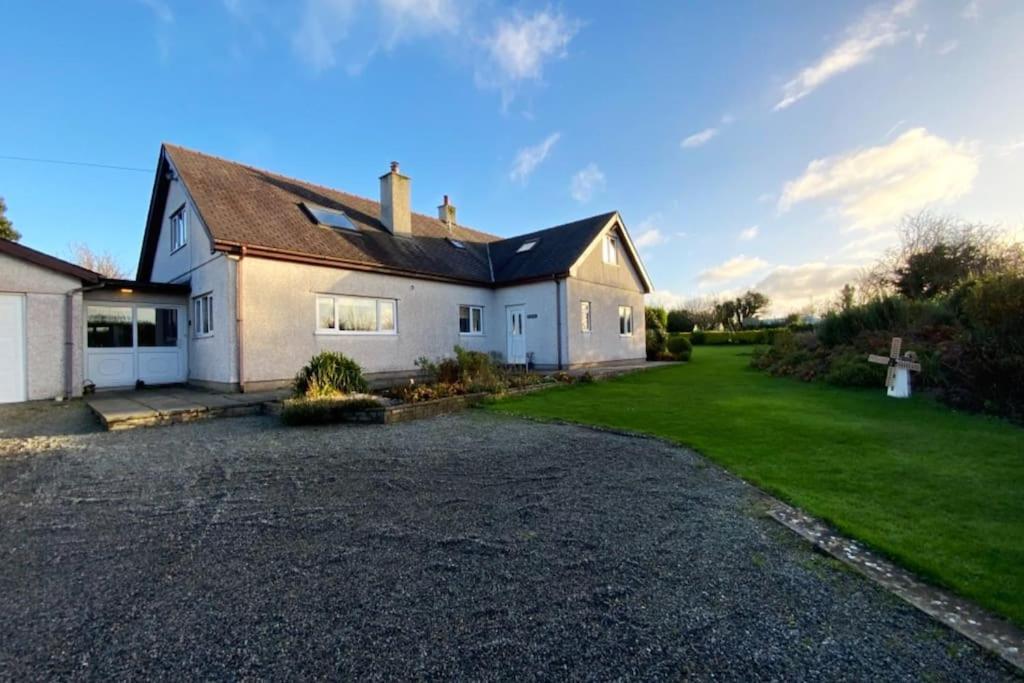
(478, 322)
(357, 315)
(464, 319)
(157, 326)
(387, 316)
(109, 327)
(325, 314)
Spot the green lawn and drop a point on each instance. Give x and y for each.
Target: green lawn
(939, 491)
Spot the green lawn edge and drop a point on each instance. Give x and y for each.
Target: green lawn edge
(933, 489)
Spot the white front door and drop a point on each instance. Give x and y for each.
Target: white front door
(12, 348)
(516, 330)
(125, 343)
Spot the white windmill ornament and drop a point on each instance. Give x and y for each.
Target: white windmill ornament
(897, 379)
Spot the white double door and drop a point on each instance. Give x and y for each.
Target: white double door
(127, 343)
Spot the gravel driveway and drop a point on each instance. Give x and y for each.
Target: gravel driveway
(469, 546)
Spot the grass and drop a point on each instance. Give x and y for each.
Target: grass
(938, 491)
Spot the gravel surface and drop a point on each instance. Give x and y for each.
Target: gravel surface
(469, 546)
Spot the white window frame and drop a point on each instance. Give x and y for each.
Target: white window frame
(202, 315)
(338, 299)
(610, 250)
(472, 333)
(625, 321)
(179, 228)
(586, 317)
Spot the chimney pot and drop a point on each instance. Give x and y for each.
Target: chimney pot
(394, 167)
(446, 213)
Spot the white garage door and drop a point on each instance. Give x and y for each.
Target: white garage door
(12, 348)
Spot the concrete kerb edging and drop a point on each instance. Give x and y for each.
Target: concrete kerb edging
(993, 633)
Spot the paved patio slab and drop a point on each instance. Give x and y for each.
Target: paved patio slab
(170, 405)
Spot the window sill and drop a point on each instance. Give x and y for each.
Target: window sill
(202, 336)
(176, 250)
(472, 334)
(350, 333)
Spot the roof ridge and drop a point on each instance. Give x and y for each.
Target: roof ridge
(317, 185)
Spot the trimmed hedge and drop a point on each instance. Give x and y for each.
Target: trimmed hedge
(680, 347)
(701, 338)
(318, 411)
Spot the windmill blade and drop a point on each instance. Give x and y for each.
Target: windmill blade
(890, 377)
(909, 365)
(881, 360)
(897, 346)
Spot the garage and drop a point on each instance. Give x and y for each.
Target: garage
(64, 328)
(12, 348)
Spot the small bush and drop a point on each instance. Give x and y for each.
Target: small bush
(697, 338)
(314, 411)
(680, 347)
(329, 374)
(852, 370)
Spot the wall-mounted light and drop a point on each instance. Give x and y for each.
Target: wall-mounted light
(126, 290)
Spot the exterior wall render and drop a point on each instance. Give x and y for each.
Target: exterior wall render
(46, 303)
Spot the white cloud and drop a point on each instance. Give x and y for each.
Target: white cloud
(160, 10)
(650, 238)
(807, 286)
(521, 45)
(972, 10)
(519, 48)
(750, 233)
(878, 185)
(1010, 147)
(700, 138)
(529, 158)
(326, 24)
(734, 268)
(586, 182)
(877, 29)
(870, 246)
(648, 234)
(766, 197)
(948, 47)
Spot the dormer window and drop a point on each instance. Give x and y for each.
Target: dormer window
(330, 218)
(526, 246)
(458, 244)
(179, 229)
(611, 250)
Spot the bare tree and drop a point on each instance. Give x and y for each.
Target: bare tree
(936, 252)
(103, 263)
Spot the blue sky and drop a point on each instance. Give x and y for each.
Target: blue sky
(769, 144)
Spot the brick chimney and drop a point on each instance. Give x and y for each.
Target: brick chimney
(395, 213)
(446, 213)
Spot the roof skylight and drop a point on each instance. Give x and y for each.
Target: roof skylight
(526, 246)
(330, 217)
(458, 244)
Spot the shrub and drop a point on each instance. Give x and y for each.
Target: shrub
(329, 374)
(656, 333)
(313, 411)
(851, 369)
(680, 347)
(698, 338)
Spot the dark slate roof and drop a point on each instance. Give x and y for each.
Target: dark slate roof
(242, 205)
(557, 249)
(46, 261)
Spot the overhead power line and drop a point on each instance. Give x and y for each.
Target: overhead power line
(64, 162)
